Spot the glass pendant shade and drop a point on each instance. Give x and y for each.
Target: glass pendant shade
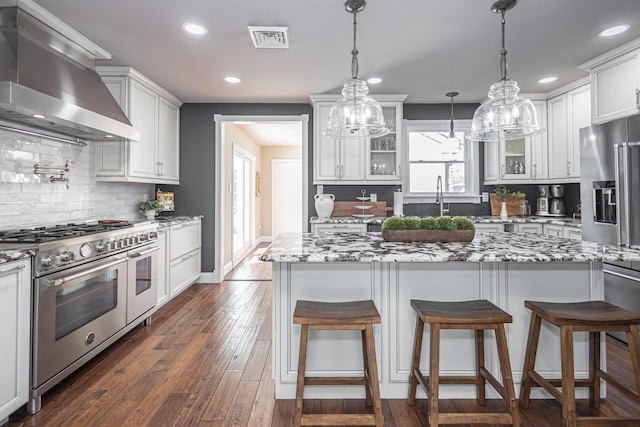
(505, 115)
(356, 114)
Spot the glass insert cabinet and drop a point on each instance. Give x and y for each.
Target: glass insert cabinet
(351, 161)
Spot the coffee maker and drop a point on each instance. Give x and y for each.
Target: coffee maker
(550, 202)
(542, 202)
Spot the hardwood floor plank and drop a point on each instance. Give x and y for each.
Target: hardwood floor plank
(242, 403)
(220, 402)
(257, 359)
(265, 400)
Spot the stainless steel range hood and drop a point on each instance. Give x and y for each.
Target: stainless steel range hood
(48, 82)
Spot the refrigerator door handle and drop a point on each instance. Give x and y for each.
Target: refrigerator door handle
(623, 211)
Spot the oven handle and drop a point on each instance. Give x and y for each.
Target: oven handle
(624, 276)
(60, 282)
(148, 251)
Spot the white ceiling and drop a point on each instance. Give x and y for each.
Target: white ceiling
(421, 48)
(273, 133)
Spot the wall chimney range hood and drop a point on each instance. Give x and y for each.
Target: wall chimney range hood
(48, 83)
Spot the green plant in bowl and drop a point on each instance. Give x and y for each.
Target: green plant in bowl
(150, 205)
(411, 223)
(463, 223)
(502, 192)
(445, 223)
(393, 223)
(428, 223)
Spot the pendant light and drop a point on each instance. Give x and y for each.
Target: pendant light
(505, 115)
(453, 140)
(356, 114)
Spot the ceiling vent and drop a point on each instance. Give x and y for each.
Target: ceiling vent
(270, 37)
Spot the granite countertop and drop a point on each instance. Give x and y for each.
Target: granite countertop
(476, 219)
(485, 247)
(166, 221)
(9, 255)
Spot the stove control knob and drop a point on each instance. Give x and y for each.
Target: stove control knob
(122, 243)
(86, 250)
(47, 261)
(143, 237)
(66, 256)
(101, 247)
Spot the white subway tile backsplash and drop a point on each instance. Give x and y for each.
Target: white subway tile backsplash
(28, 199)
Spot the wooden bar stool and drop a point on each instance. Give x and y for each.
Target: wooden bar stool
(354, 315)
(477, 315)
(593, 317)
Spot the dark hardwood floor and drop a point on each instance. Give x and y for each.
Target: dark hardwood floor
(206, 361)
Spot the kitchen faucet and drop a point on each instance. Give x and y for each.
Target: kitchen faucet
(440, 197)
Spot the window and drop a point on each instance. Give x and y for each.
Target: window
(430, 154)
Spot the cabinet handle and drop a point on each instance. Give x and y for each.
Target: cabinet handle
(535, 170)
(341, 171)
(637, 98)
(158, 169)
(503, 169)
(161, 168)
(400, 171)
(9, 270)
(337, 171)
(568, 168)
(184, 258)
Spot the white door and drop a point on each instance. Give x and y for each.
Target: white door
(286, 181)
(242, 208)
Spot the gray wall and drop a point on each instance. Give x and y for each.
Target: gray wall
(195, 194)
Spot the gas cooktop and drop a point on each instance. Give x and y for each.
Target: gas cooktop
(58, 232)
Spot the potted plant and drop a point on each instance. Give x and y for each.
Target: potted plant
(430, 229)
(502, 193)
(150, 208)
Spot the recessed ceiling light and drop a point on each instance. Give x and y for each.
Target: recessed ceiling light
(374, 80)
(38, 116)
(614, 31)
(548, 80)
(231, 79)
(195, 29)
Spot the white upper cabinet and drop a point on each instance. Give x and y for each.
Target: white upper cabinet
(156, 114)
(567, 113)
(615, 83)
(357, 160)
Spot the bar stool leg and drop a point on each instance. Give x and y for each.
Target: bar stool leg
(480, 386)
(633, 338)
(434, 375)
(568, 382)
(302, 362)
(530, 359)
(594, 365)
(373, 375)
(415, 364)
(365, 356)
(507, 378)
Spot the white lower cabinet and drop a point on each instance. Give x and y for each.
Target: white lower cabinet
(322, 228)
(553, 230)
(180, 248)
(527, 228)
(490, 228)
(572, 233)
(15, 314)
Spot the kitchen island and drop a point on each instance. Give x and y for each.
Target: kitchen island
(504, 268)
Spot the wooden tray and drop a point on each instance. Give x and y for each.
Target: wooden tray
(513, 205)
(349, 208)
(431, 236)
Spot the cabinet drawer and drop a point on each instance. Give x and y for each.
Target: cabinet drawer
(184, 271)
(490, 228)
(321, 228)
(573, 233)
(184, 238)
(554, 230)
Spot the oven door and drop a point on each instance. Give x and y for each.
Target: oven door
(142, 293)
(76, 310)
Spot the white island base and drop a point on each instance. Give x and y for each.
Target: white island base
(391, 285)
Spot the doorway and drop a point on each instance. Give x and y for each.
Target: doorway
(225, 253)
(286, 202)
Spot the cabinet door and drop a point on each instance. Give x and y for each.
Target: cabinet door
(352, 152)
(615, 87)
(168, 141)
(516, 159)
(491, 161)
(557, 136)
(184, 238)
(529, 228)
(490, 228)
(553, 230)
(572, 233)
(111, 156)
(184, 271)
(384, 153)
(15, 313)
(579, 113)
(144, 106)
(539, 144)
(330, 228)
(326, 154)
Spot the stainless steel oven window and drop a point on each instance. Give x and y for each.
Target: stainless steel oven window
(144, 275)
(82, 303)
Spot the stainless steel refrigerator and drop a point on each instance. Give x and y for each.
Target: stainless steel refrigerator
(610, 199)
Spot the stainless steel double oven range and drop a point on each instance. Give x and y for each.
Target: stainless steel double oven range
(92, 283)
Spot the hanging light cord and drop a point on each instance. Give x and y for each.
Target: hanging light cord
(503, 51)
(354, 52)
(451, 132)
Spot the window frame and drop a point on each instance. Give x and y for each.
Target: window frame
(471, 158)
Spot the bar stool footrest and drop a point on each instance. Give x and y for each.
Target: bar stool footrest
(334, 381)
(338, 419)
(607, 422)
(474, 418)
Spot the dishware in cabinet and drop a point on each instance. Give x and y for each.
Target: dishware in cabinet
(383, 153)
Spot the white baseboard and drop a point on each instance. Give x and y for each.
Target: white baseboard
(209, 277)
(263, 239)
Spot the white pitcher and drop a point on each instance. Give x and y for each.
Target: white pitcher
(324, 205)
